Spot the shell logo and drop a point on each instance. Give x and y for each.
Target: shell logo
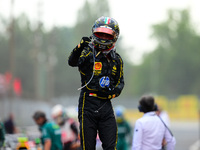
(98, 65)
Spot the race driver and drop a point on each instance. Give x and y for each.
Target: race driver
(101, 70)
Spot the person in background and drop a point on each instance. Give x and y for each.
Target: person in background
(124, 129)
(10, 125)
(101, 70)
(163, 115)
(2, 134)
(150, 130)
(68, 126)
(51, 133)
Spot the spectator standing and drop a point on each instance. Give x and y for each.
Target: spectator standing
(163, 115)
(10, 125)
(68, 126)
(124, 129)
(150, 130)
(51, 133)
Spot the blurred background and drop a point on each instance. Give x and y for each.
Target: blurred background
(159, 42)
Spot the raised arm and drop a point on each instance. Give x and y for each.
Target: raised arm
(76, 52)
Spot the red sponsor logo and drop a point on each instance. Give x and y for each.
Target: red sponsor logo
(98, 65)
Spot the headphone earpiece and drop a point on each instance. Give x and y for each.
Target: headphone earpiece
(155, 107)
(140, 108)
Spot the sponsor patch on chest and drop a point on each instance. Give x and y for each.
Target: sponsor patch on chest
(104, 82)
(98, 68)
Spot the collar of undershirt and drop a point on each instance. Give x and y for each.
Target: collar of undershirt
(151, 113)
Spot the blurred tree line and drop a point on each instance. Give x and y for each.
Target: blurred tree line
(41, 56)
(173, 67)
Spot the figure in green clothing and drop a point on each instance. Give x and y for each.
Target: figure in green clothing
(2, 134)
(124, 129)
(51, 133)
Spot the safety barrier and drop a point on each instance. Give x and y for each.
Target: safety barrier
(183, 108)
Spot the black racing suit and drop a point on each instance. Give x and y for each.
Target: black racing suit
(95, 108)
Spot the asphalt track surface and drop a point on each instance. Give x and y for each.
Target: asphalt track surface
(186, 134)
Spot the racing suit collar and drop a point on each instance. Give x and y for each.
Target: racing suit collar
(111, 54)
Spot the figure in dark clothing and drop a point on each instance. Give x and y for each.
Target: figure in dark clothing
(101, 70)
(2, 134)
(10, 125)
